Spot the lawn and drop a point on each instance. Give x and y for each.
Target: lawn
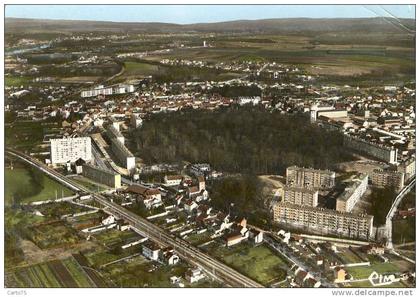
(349, 257)
(364, 272)
(25, 186)
(136, 68)
(258, 262)
(91, 185)
(367, 284)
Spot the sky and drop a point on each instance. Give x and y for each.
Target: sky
(187, 14)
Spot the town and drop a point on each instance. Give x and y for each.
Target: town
(125, 167)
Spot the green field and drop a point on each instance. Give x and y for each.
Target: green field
(91, 185)
(367, 284)
(363, 272)
(138, 68)
(24, 185)
(257, 262)
(15, 81)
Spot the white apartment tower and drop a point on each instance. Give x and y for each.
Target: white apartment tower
(65, 150)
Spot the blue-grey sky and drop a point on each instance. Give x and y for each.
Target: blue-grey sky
(187, 14)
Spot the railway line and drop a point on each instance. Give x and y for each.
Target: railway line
(186, 251)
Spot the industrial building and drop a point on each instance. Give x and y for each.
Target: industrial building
(379, 151)
(351, 195)
(65, 150)
(385, 178)
(301, 196)
(309, 178)
(323, 221)
(102, 176)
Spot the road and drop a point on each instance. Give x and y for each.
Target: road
(185, 250)
(394, 207)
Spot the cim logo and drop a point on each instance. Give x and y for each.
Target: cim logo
(377, 279)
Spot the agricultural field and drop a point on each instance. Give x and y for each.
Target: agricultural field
(257, 262)
(27, 135)
(53, 274)
(26, 185)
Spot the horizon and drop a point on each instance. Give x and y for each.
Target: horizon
(195, 14)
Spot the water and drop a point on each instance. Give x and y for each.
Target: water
(26, 50)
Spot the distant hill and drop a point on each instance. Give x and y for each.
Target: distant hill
(295, 25)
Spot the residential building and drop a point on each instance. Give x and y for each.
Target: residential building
(386, 178)
(194, 275)
(301, 196)
(151, 250)
(113, 132)
(172, 180)
(351, 195)
(309, 178)
(102, 176)
(150, 197)
(323, 221)
(70, 149)
(377, 150)
(123, 155)
(408, 167)
(135, 120)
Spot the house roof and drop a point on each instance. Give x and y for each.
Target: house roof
(137, 189)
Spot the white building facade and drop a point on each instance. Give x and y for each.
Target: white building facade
(65, 150)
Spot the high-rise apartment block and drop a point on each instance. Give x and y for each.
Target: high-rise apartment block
(351, 195)
(70, 149)
(301, 196)
(309, 178)
(323, 221)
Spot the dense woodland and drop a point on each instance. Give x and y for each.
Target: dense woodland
(241, 196)
(246, 140)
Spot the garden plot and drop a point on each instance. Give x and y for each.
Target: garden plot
(60, 209)
(52, 235)
(53, 274)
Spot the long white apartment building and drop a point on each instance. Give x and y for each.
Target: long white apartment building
(70, 149)
(123, 155)
(351, 195)
(112, 132)
(112, 90)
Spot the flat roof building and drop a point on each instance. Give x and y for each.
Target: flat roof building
(70, 149)
(309, 178)
(301, 196)
(323, 221)
(351, 195)
(102, 176)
